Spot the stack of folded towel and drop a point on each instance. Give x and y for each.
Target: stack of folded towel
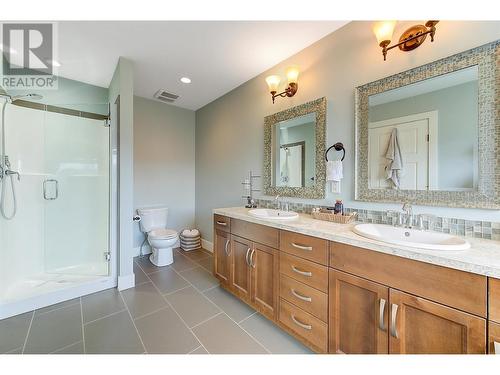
(190, 239)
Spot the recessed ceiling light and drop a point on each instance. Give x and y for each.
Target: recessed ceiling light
(185, 80)
(54, 63)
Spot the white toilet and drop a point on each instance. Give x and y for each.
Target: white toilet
(154, 223)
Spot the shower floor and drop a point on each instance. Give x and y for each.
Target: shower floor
(48, 282)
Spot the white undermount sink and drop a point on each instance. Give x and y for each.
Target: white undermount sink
(269, 213)
(411, 237)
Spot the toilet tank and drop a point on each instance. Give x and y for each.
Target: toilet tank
(153, 218)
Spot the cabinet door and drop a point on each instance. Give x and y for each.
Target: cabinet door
(419, 326)
(264, 263)
(222, 256)
(240, 267)
(358, 318)
(494, 338)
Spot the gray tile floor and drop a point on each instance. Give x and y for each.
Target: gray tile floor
(178, 309)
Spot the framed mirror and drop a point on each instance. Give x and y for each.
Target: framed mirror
(294, 148)
(431, 135)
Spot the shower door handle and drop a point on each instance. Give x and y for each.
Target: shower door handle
(56, 195)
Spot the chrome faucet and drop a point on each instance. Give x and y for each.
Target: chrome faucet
(6, 171)
(407, 215)
(277, 202)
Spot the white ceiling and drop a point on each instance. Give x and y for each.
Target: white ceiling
(218, 56)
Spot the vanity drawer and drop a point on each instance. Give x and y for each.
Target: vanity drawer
(256, 232)
(307, 298)
(304, 325)
(222, 223)
(311, 248)
(307, 272)
(462, 290)
(494, 310)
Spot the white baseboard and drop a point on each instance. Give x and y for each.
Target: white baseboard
(126, 281)
(207, 245)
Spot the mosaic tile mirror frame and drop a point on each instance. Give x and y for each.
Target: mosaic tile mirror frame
(317, 190)
(487, 193)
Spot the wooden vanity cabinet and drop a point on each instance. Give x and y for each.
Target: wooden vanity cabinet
(494, 299)
(371, 305)
(494, 338)
(240, 267)
(246, 267)
(264, 261)
(358, 315)
(222, 256)
(419, 326)
(354, 300)
(254, 274)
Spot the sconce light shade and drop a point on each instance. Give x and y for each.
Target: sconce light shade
(383, 31)
(292, 74)
(273, 82)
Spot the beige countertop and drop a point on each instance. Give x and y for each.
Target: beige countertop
(482, 258)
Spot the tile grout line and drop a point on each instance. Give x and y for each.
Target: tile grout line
(105, 316)
(248, 317)
(175, 311)
(67, 346)
(206, 320)
(133, 322)
(177, 290)
(213, 303)
(83, 330)
(57, 309)
(192, 351)
(13, 350)
(27, 333)
(150, 313)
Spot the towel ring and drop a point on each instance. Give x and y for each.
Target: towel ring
(338, 147)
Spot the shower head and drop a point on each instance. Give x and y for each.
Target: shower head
(27, 96)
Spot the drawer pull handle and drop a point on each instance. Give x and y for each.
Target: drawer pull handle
(252, 263)
(246, 257)
(300, 272)
(300, 296)
(302, 247)
(496, 345)
(394, 314)
(221, 223)
(226, 248)
(300, 324)
(381, 322)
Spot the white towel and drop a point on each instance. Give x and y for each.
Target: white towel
(394, 164)
(334, 170)
(334, 173)
(190, 233)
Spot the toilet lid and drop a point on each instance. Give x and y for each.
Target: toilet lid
(163, 233)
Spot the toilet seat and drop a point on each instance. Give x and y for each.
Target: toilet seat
(162, 234)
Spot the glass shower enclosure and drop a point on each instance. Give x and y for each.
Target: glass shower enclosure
(57, 246)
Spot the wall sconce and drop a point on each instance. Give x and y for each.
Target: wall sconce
(409, 40)
(292, 74)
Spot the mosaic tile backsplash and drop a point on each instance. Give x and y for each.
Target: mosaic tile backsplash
(461, 227)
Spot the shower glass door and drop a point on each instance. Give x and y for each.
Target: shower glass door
(75, 194)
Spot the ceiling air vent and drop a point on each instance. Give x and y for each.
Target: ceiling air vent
(166, 96)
